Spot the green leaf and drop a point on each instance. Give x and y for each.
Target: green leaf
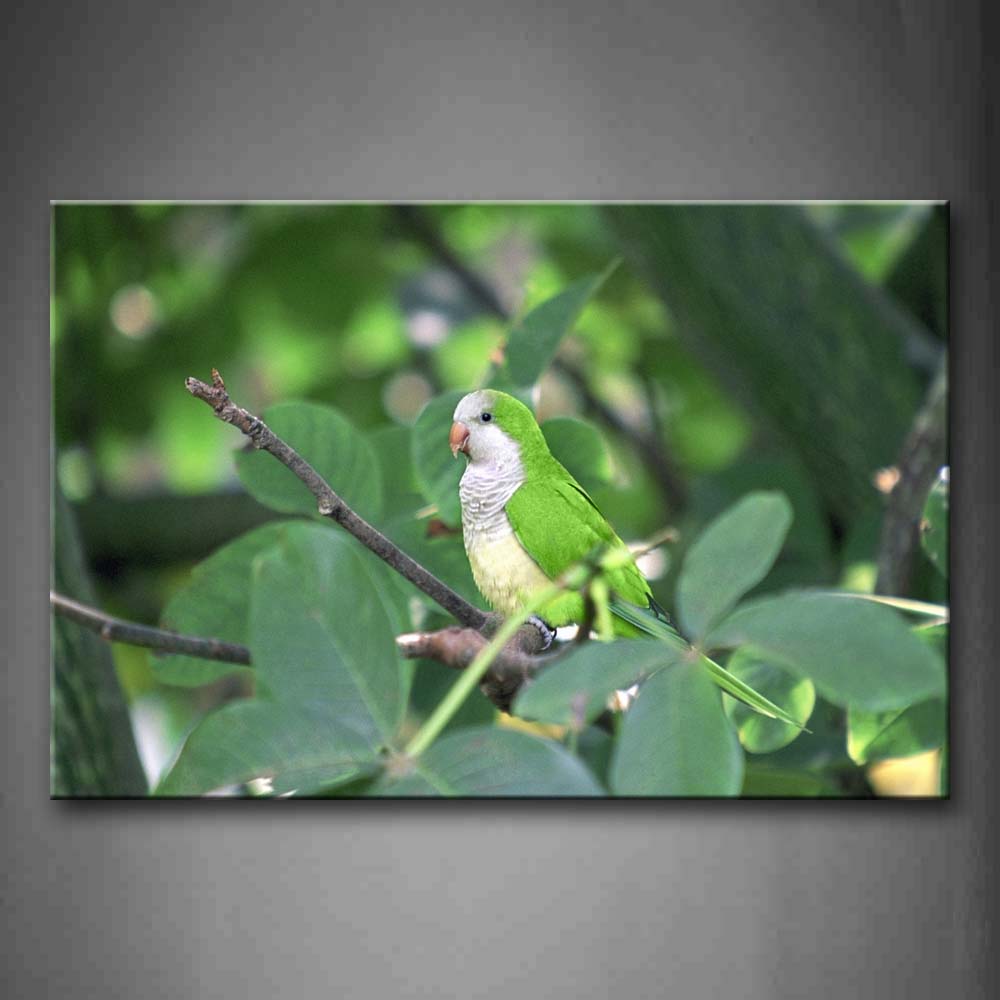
(575, 689)
(214, 603)
(331, 445)
(730, 556)
(900, 733)
(266, 739)
(934, 523)
(437, 470)
(532, 343)
(320, 635)
(579, 445)
(796, 695)
(490, 761)
(855, 652)
(676, 740)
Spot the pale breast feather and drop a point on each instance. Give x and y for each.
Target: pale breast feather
(503, 571)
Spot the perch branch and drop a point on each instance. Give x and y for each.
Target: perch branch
(119, 630)
(515, 664)
(330, 504)
(647, 444)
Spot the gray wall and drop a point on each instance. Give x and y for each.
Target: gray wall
(504, 100)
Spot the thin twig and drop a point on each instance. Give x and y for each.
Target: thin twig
(330, 504)
(655, 455)
(118, 630)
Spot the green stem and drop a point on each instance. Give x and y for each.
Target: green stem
(474, 673)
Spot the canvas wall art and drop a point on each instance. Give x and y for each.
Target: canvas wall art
(499, 499)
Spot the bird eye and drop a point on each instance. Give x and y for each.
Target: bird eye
(486, 417)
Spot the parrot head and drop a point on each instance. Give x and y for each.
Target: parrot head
(492, 427)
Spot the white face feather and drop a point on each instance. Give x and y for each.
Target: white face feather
(488, 444)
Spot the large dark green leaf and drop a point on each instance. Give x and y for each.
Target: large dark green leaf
(437, 470)
(331, 445)
(214, 603)
(329, 680)
(855, 652)
(934, 523)
(766, 301)
(796, 695)
(900, 733)
(319, 634)
(575, 689)
(578, 444)
(532, 343)
(490, 761)
(268, 739)
(733, 553)
(676, 739)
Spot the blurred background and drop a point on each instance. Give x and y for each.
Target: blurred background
(787, 347)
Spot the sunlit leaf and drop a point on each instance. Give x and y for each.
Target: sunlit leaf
(532, 343)
(795, 695)
(900, 733)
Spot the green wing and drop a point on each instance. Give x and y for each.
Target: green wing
(558, 524)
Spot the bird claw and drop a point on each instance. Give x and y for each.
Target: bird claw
(548, 633)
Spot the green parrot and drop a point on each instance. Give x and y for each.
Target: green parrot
(525, 519)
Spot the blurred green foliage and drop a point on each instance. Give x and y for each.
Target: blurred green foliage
(779, 348)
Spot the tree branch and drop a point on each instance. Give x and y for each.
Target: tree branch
(658, 460)
(330, 504)
(454, 647)
(923, 453)
(516, 663)
(118, 630)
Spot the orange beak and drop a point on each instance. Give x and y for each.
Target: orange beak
(458, 439)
